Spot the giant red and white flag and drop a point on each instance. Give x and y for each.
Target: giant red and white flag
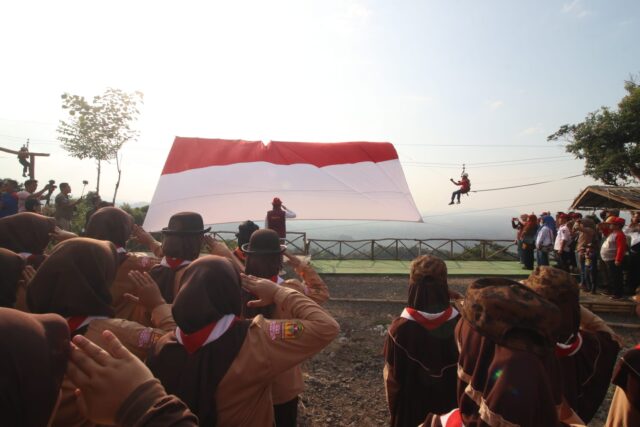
(235, 180)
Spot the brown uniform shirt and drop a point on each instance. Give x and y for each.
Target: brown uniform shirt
(290, 384)
(135, 337)
(124, 308)
(271, 347)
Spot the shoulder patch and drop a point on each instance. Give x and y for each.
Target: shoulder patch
(147, 337)
(292, 329)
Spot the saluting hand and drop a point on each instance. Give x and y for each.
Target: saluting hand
(264, 289)
(147, 292)
(104, 379)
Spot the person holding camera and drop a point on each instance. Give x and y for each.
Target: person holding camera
(65, 207)
(29, 192)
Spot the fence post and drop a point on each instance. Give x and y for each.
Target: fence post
(451, 249)
(397, 254)
(373, 248)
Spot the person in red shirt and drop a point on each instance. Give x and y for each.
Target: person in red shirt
(612, 253)
(465, 186)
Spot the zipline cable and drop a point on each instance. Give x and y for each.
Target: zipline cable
(526, 185)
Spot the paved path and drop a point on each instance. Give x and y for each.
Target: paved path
(384, 267)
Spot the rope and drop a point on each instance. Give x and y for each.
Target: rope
(525, 185)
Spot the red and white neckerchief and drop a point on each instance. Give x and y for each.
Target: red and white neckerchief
(452, 419)
(174, 263)
(121, 250)
(564, 350)
(77, 322)
(214, 330)
(429, 320)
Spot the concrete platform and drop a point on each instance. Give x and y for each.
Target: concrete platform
(384, 267)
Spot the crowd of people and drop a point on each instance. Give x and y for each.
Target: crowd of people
(604, 251)
(95, 334)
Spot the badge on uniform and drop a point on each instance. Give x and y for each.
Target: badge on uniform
(147, 337)
(292, 330)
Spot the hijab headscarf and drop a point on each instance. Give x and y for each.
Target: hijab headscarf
(75, 279)
(112, 224)
(506, 339)
(33, 360)
(550, 222)
(210, 290)
(421, 360)
(26, 232)
(586, 358)
(183, 247)
(11, 267)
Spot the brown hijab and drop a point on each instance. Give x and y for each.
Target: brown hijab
(585, 374)
(210, 290)
(11, 267)
(112, 224)
(26, 232)
(422, 361)
(181, 246)
(75, 279)
(33, 358)
(506, 339)
(530, 227)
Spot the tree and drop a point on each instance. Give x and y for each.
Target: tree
(98, 129)
(608, 141)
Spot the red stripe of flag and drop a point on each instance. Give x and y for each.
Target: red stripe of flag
(195, 153)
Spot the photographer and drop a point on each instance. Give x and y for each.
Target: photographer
(29, 192)
(65, 207)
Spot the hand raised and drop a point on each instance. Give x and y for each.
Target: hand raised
(146, 293)
(104, 379)
(264, 289)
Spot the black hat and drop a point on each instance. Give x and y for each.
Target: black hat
(264, 241)
(245, 230)
(185, 223)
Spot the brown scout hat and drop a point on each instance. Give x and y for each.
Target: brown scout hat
(561, 289)
(186, 223)
(511, 315)
(264, 242)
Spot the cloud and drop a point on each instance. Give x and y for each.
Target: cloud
(576, 8)
(494, 105)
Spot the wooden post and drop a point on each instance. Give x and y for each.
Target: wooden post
(32, 158)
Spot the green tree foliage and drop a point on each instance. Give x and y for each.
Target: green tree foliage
(98, 129)
(138, 213)
(608, 141)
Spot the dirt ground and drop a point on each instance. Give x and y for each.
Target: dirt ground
(344, 384)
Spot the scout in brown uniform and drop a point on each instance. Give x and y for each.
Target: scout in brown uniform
(586, 350)
(116, 226)
(33, 361)
(223, 367)
(264, 259)
(27, 234)
(625, 406)
(420, 351)
(506, 338)
(11, 267)
(245, 230)
(181, 244)
(74, 282)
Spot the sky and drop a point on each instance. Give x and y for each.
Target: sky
(446, 82)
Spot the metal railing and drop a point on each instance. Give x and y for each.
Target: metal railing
(393, 249)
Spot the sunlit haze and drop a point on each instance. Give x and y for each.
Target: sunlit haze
(446, 82)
